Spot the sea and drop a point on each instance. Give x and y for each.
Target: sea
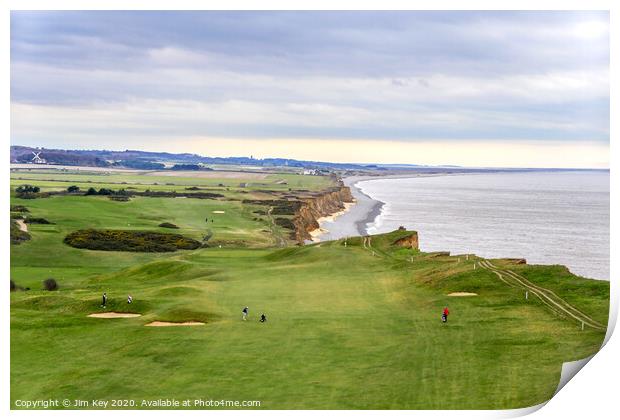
(546, 217)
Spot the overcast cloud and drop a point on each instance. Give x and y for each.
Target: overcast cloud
(144, 79)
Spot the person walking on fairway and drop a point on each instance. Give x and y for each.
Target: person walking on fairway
(444, 315)
(245, 313)
(104, 299)
(129, 299)
(263, 318)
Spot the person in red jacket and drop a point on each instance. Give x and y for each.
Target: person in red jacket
(444, 315)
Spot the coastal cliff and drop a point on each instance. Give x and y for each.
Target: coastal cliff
(319, 205)
(409, 241)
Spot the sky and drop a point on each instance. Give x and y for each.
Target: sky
(518, 89)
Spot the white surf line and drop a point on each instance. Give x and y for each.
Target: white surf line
(541, 294)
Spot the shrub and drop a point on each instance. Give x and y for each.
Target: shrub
(73, 189)
(285, 223)
(20, 209)
(279, 207)
(189, 167)
(168, 225)
(37, 221)
(16, 287)
(32, 195)
(27, 189)
(129, 240)
(50, 284)
(118, 198)
(91, 191)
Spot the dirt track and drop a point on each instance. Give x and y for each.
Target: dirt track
(546, 296)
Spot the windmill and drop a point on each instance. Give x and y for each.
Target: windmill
(38, 159)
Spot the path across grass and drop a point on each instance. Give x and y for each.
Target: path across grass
(546, 296)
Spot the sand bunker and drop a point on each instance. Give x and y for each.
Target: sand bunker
(114, 315)
(172, 324)
(462, 294)
(218, 211)
(22, 225)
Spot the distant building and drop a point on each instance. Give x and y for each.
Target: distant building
(310, 172)
(38, 159)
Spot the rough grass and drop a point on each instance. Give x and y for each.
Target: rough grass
(345, 330)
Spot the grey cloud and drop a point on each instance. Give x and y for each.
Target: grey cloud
(374, 75)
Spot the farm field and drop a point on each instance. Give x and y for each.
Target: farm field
(169, 180)
(349, 325)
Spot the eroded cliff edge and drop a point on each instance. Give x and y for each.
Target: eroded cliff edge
(319, 205)
(299, 211)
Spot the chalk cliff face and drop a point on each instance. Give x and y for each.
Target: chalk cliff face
(321, 204)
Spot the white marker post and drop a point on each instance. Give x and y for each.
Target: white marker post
(526, 295)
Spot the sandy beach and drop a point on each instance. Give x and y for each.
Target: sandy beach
(353, 220)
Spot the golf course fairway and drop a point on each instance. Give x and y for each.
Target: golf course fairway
(349, 325)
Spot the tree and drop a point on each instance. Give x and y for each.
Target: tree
(91, 191)
(73, 189)
(50, 284)
(27, 189)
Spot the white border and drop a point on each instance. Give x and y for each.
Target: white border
(592, 393)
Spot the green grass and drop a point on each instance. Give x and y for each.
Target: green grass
(50, 180)
(346, 328)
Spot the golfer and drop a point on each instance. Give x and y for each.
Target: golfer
(104, 299)
(129, 299)
(444, 315)
(245, 313)
(263, 318)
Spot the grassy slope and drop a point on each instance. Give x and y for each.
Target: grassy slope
(346, 329)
